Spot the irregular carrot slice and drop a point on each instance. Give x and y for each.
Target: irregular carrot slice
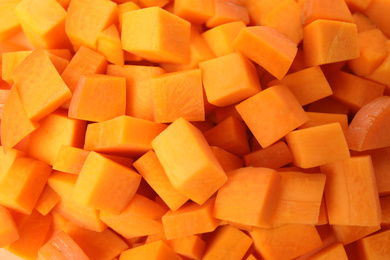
(8, 230)
(154, 250)
(363, 134)
(188, 161)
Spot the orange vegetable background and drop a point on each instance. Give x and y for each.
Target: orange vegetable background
(195, 129)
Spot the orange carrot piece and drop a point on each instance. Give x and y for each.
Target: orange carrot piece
(191, 247)
(257, 9)
(98, 98)
(336, 10)
(139, 101)
(70, 159)
(267, 47)
(381, 74)
(363, 134)
(328, 105)
(190, 219)
(43, 22)
(109, 44)
(334, 251)
(102, 181)
(163, 28)
(227, 160)
(197, 12)
(286, 241)
(22, 184)
(373, 51)
(178, 95)
(55, 130)
(227, 237)
(348, 234)
(286, 18)
(301, 85)
(153, 251)
(318, 145)
(275, 109)
(376, 12)
(47, 200)
(177, 148)
(323, 216)
(8, 230)
(124, 8)
(385, 208)
(248, 197)
(350, 188)
(273, 156)
(141, 217)
(123, 135)
(15, 124)
(85, 61)
(96, 245)
(61, 247)
(226, 11)
(85, 19)
(317, 119)
(9, 22)
(229, 135)
(7, 159)
(40, 87)
(220, 114)
(220, 38)
(229, 79)
(152, 171)
(358, 5)
(374, 246)
(152, 3)
(362, 22)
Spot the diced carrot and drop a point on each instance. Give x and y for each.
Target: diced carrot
(362, 22)
(124, 8)
(190, 219)
(98, 98)
(258, 8)
(9, 22)
(8, 230)
(273, 156)
(85, 19)
(381, 74)
(7, 159)
(227, 160)
(353, 90)
(194, 11)
(61, 247)
(358, 5)
(327, 41)
(220, 114)
(286, 241)
(47, 200)
(139, 101)
(155, 250)
(267, 47)
(178, 95)
(102, 181)
(70, 159)
(328, 105)
(348, 234)
(271, 114)
(351, 188)
(334, 251)
(152, 3)
(323, 216)
(336, 10)
(226, 11)
(374, 246)
(363, 134)
(152, 171)
(318, 145)
(191, 247)
(178, 147)
(141, 217)
(227, 237)
(317, 119)
(149, 33)
(286, 18)
(109, 44)
(376, 11)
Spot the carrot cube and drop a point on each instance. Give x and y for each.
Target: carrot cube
(9, 22)
(98, 98)
(327, 41)
(349, 234)
(8, 230)
(334, 251)
(381, 74)
(178, 95)
(385, 208)
(317, 119)
(274, 109)
(267, 47)
(376, 12)
(70, 159)
(336, 10)
(101, 181)
(229, 79)
(149, 33)
(190, 246)
(124, 8)
(47, 200)
(318, 145)
(227, 160)
(188, 161)
(274, 156)
(374, 246)
(194, 11)
(248, 197)
(109, 44)
(351, 188)
(154, 251)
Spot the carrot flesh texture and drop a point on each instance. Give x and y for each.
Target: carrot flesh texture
(334, 251)
(227, 11)
(274, 156)
(47, 200)
(123, 135)
(227, 160)
(196, 12)
(349, 234)
(188, 161)
(124, 8)
(9, 21)
(354, 181)
(55, 130)
(8, 230)
(155, 250)
(374, 246)
(304, 145)
(178, 95)
(375, 13)
(275, 109)
(152, 171)
(191, 247)
(336, 10)
(151, 39)
(109, 44)
(196, 218)
(317, 119)
(267, 47)
(327, 41)
(70, 159)
(365, 134)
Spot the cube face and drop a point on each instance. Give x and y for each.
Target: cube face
(156, 35)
